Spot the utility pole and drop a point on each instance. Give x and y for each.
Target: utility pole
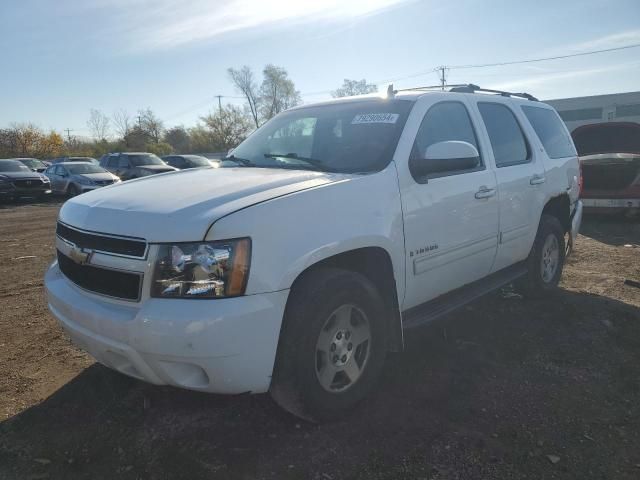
(443, 81)
(68, 130)
(219, 97)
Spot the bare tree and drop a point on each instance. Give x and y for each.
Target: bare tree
(150, 124)
(354, 87)
(98, 124)
(244, 82)
(122, 123)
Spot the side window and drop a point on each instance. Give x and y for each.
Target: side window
(445, 121)
(551, 132)
(123, 161)
(507, 140)
(60, 170)
(112, 162)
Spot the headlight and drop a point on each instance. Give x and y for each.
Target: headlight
(4, 179)
(202, 270)
(44, 178)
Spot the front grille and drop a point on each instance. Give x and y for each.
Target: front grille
(35, 183)
(609, 176)
(103, 182)
(112, 283)
(102, 243)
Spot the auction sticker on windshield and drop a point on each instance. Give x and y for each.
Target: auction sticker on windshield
(375, 118)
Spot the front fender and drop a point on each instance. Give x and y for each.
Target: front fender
(293, 232)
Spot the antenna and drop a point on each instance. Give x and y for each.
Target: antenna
(390, 91)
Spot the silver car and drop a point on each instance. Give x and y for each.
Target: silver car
(74, 178)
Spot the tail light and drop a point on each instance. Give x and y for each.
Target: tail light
(580, 179)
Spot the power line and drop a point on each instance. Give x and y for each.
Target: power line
(514, 62)
(557, 57)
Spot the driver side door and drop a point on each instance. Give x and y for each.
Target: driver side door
(450, 217)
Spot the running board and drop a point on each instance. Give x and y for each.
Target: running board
(447, 303)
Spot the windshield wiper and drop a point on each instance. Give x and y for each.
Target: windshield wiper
(240, 161)
(319, 164)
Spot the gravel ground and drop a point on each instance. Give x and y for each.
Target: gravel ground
(505, 388)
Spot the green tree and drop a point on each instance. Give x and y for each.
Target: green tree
(354, 87)
(277, 92)
(179, 139)
(228, 127)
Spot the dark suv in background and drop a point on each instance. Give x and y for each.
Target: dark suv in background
(134, 165)
(182, 162)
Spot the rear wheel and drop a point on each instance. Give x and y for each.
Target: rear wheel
(546, 260)
(332, 345)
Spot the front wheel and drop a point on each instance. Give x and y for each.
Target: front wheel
(332, 345)
(546, 260)
(72, 191)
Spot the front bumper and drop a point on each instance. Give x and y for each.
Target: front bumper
(25, 192)
(219, 346)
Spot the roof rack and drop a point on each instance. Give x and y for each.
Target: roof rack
(463, 88)
(471, 88)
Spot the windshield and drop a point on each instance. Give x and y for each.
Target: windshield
(32, 162)
(82, 159)
(83, 168)
(144, 159)
(198, 161)
(12, 166)
(358, 136)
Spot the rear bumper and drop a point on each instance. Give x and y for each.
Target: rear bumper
(576, 221)
(219, 346)
(617, 203)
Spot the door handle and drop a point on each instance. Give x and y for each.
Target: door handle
(537, 180)
(485, 192)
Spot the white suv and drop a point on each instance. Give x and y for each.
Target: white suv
(344, 224)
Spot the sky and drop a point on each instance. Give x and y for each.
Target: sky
(62, 58)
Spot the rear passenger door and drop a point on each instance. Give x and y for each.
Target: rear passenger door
(520, 175)
(450, 218)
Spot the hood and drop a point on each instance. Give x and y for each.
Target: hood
(180, 207)
(24, 175)
(96, 176)
(158, 168)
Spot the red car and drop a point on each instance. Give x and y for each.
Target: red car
(610, 162)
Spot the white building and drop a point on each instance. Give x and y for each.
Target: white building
(616, 107)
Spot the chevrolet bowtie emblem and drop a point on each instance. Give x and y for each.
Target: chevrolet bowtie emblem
(80, 256)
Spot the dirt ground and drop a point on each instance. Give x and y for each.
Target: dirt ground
(506, 388)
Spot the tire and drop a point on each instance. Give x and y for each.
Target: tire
(325, 365)
(72, 191)
(546, 260)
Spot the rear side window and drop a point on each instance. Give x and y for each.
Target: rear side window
(507, 140)
(550, 131)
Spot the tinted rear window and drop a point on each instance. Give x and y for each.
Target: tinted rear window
(551, 132)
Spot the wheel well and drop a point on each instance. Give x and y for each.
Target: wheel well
(375, 264)
(559, 208)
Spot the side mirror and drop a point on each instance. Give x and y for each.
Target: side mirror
(449, 156)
